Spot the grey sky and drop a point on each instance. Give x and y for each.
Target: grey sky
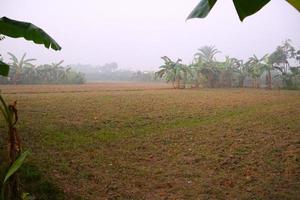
(136, 33)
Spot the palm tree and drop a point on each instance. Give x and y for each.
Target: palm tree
(171, 71)
(256, 68)
(207, 54)
(18, 65)
(206, 61)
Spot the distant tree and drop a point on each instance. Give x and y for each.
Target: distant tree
(171, 71)
(207, 64)
(242, 71)
(28, 74)
(228, 69)
(281, 61)
(272, 59)
(196, 67)
(187, 71)
(256, 68)
(17, 66)
(108, 67)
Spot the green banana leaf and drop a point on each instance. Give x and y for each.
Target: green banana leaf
(16, 29)
(244, 8)
(4, 68)
(15, 166)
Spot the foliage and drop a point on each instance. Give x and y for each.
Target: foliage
(205, 59)
(256, 68)
(112, 72)
(22, 71)
(12, 170)
(144, 76)
(16, 29)
(37, 185)
(4, 69)
(280, 60)
(16, 165)
(174, 72)
(17, 66)
(207, 71)
(244, 8)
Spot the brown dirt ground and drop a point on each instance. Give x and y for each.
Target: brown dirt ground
(139, 141)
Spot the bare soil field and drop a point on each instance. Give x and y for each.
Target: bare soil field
(89, 87)
(148, 141)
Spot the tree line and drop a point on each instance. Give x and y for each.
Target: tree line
(23, 71)
(281, 68)
(112, 72)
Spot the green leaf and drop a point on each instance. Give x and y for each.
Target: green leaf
(4, 68)
(295, 3)
(202, 9)
(245, 8)
(15, 166)
(16, 29)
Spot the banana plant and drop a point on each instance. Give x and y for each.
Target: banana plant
(256, 68)
(16, 29)
(244, 8)
(11, 186)
(18, 65)
(171, 71)
(205, 57)
(11, 173)
(228, 69)
(242, 71)
(196, 67)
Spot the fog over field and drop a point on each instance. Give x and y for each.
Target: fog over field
(135, 34)
(133, 101)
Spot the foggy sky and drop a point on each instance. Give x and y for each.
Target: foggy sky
(136, 33)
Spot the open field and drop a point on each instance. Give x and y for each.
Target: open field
(138, 141)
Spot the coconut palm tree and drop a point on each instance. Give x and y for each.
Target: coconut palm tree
(207, 54)
(205, 59)
(17, 65)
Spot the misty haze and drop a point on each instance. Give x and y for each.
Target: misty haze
(133, 99)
